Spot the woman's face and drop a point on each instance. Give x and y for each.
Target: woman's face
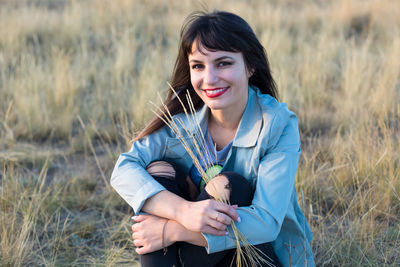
(220, 78)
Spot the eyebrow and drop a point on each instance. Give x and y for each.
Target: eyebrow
(217, 59)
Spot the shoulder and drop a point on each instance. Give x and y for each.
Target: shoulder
(273, 111)
(157, 137)
(272, 107)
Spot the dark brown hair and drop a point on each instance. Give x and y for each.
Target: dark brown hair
(217, 30)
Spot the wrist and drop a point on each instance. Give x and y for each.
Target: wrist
(177, 232)
(164, 240)
(181, 210)
(173, 232)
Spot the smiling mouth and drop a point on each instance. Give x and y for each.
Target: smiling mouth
(211, 93)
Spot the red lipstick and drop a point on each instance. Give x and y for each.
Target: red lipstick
(215, 92)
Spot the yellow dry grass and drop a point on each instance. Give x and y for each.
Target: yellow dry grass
(336, 64)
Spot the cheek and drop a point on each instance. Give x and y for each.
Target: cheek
(236, 78)
(194, 80)
(242, 78)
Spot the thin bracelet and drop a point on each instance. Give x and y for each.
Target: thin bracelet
(162, 238)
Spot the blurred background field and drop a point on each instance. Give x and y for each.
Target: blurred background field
(76, 78)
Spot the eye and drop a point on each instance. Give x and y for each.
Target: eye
(224, 63)
(197, 66)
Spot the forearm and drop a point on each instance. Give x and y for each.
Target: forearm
(176, 232)
(206, 216)
(165, 204)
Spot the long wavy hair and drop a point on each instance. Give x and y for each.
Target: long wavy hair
(214, 31)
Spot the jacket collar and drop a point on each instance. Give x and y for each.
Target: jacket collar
(249, 126)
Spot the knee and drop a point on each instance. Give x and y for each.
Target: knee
(161, 168)
(231, 186)
(219, 188)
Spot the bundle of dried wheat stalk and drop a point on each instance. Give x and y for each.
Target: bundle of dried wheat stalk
(246, 253)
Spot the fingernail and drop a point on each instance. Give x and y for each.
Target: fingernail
(134, 217)
(239, 220)
(226, 233)
(235, 206)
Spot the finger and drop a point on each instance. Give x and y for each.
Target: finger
(139, 218)
(213, 231)
(141, 250)
(228, 210)
(136, 235)
(224, 219)
(217, 225)
(136, 227)
(138, 242)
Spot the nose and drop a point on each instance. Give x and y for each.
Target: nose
(210, 76)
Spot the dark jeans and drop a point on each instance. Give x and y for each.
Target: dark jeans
(185, 254)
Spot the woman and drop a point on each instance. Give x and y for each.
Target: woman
(226, 71)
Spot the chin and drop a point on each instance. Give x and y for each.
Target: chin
(215, 107)
(216, 104)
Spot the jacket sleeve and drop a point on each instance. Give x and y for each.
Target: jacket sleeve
(129, 177)
(261, 222)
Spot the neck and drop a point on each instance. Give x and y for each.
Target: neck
(228, 118)
(224, 119)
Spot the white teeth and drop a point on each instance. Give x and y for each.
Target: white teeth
(216, 91)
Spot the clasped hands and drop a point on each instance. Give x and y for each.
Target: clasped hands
(207, 216)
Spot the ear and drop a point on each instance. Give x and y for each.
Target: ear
(250, 73)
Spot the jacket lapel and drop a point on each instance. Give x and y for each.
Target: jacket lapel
(250, 124)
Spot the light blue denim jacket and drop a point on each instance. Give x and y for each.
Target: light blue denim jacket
(265, 150)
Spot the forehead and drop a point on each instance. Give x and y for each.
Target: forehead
(198, 51)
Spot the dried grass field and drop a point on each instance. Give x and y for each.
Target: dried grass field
(76, 78)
